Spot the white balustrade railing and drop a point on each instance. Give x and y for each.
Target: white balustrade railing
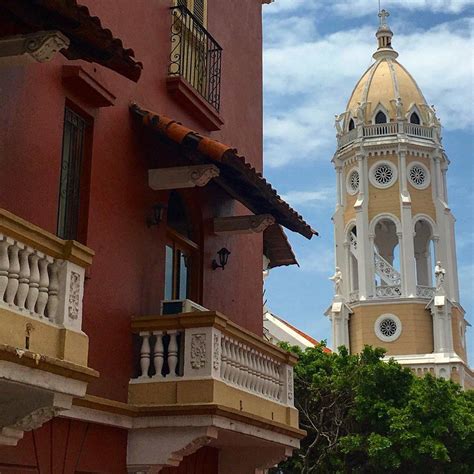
(390, 128)
(425, 291)
(388, 291)
(348, 137)
(353, 242)
(381, 129)
(36, 284)
(211, 353)
(418, 130)
(385, 271)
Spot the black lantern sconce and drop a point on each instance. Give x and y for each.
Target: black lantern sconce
(223, 255)
(157, 212)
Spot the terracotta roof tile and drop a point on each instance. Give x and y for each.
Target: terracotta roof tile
(90, 41)
(237, 172)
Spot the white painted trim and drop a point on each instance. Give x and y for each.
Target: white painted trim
(379, 333)
(425, 217)
(380, 108)
(385, 215)
(372, 176)
(425, 169)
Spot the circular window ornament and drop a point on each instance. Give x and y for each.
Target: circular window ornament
(383, 174)
(388, 327)
(418, 175)
(353, 182)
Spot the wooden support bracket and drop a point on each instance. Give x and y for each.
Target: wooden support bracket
(243, 224)
(181, 177)
(40, 47)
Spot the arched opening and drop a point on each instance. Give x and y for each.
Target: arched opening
(351, 124)
(380, 117)
(182, 252)
(415, 118)
(353, 266)
(424, 253)
(387, 259)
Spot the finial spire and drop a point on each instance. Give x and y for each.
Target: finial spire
(384, 37)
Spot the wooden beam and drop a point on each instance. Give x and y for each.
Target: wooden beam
(40, 47)
(242, 224)
(181, 177)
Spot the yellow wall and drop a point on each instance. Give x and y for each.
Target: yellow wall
(421, 199)
(384, 200)
(187, 392)
(45, 339)
(417, 328)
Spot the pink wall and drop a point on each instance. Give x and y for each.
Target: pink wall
(126, 278)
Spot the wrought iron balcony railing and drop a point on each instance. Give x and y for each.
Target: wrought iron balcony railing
(195, 55)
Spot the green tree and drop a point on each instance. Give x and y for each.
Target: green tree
(366, 415)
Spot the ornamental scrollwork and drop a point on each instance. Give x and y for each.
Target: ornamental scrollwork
(198, 351)
(216, 357)
(74, 299)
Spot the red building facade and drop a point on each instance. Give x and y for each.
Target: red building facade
(127, 160)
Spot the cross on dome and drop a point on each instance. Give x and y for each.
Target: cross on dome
(383, 15)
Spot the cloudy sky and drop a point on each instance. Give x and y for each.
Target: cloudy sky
(315, 51)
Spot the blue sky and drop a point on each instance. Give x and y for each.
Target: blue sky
(314, 53)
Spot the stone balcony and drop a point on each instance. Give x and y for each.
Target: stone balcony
(201, 364)
(43, 352)
(386, 130)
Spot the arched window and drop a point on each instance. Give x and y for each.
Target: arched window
(380, 117)
(414, 118)
(351, 124)
(182, 252)
(424, 253)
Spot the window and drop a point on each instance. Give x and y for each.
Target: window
(380, 117)
(197, 7)
(383, 174)
(414, 118)
(388, 327)
(73, 183)
(418, 175)
(353, 180)
(351, 124)
(182, 253)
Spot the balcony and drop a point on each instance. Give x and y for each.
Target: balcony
(386, 130)
(200, 364)
(194, 72)
(43, 352)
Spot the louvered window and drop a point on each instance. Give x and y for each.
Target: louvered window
(196, 7)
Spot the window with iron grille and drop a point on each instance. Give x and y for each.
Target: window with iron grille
(72, 162)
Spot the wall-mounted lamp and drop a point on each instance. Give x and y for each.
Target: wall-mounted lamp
(223, 255)
(157, 212)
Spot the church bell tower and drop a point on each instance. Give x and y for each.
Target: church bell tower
(396, 281)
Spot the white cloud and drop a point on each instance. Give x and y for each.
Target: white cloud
(359, 8)
(308, 79)
(310, 198)
(364, 7)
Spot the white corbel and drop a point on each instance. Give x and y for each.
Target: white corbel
(40, 47)
(180, 177)
(243, 224)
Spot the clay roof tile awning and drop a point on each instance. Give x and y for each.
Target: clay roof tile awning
(89, 40)
(237, 176)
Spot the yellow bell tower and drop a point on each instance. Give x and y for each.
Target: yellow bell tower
(396, 282)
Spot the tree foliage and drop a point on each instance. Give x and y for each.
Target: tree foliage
(366, 415)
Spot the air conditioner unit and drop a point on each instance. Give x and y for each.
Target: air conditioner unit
(180, 306)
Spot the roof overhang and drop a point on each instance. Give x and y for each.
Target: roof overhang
(237, 177)
(88, 39)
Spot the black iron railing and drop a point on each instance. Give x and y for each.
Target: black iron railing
(195, 55)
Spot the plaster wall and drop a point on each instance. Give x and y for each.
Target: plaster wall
(417, 328)
(127, 276)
